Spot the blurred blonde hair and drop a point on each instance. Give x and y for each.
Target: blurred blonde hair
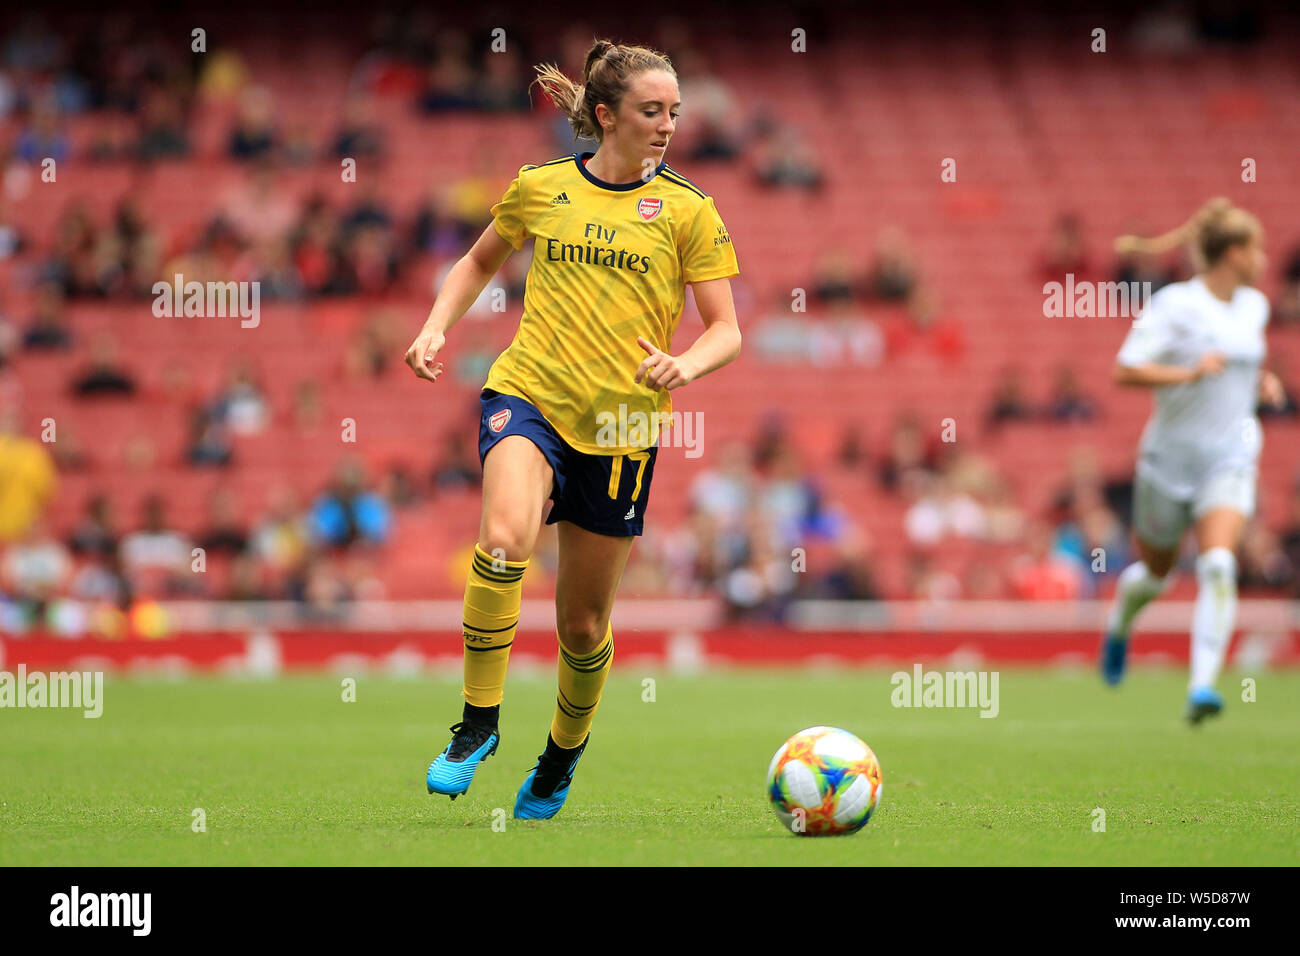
(1211, 231)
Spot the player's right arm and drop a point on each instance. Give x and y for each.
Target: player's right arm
(1153, 374)
(463, 285)
(1144, 358)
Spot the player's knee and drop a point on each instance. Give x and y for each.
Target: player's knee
(505, 539)
(1217, 566)
(581, 632)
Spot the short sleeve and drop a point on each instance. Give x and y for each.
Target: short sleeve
(707, 252)
(508, 214)
(1151, 335)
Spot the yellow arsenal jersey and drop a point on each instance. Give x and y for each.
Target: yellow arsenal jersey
(610, 262)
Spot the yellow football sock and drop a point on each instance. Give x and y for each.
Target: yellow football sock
(581, 681)
(491, 616)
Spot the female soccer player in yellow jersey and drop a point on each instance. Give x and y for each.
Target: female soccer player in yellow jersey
(618, 235)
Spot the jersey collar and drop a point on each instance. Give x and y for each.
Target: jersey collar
(580, 160)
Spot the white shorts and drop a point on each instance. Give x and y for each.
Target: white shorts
(1160, 520)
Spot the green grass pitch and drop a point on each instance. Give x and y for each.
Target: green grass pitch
(286, 772)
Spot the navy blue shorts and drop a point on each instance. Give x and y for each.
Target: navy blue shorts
(604, 494)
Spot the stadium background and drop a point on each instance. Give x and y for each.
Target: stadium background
(924, 321)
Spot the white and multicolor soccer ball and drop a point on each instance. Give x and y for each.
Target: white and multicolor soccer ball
(824, 781)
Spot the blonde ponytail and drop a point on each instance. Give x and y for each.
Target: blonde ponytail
(1210, 231)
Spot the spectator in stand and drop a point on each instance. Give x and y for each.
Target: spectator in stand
(759, 586)
(348, 512)
(397, 486)
(725, 491)
(1068, 403)
(1264, 562)
(279, 540)
(209, 439)
(783, 159)
(852, 451)
(908, 452)
(1041, 574)
(832, 280)
(316, 246)
(246, 580)
(893, 273)
(1066, 253)
(27, 477)
(258, 210)
(1004, 519)
(1286, 310)
(35, 568)
(432, 231)
(357, 137)
(1290, 541)
(499, 87)
(225, 533)
(162, 128)
(788, 499)
(298, 147)
(100, 579)
(43, 137)
(139, 246)
(1009, 402)
(71, 262)
(369, 354)
(10, 339)
(920, 326)
(241, 406)
(48, 330)
(925, 582)
(105, 376)
(254, 134)
(451, 81)
(12, 240)
(1093, 538)
(459, 466)
(320, 588)
(940, 510)
(370, 211)
(853, 575)
(155, 558)
(712, 134)
(94, 534)
(308, 412)
(270, 264)
(845, 335)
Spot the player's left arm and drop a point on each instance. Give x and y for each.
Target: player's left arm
(1271, 390)
(717, 345)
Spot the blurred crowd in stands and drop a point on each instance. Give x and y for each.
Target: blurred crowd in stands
(756, 509)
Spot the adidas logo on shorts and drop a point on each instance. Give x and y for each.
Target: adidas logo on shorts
(561, 200)
(631, 513)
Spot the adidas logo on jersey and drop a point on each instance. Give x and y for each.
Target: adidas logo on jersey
(561, 200)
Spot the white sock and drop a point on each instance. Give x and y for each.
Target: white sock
(1215, 614)
(1137, 588)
